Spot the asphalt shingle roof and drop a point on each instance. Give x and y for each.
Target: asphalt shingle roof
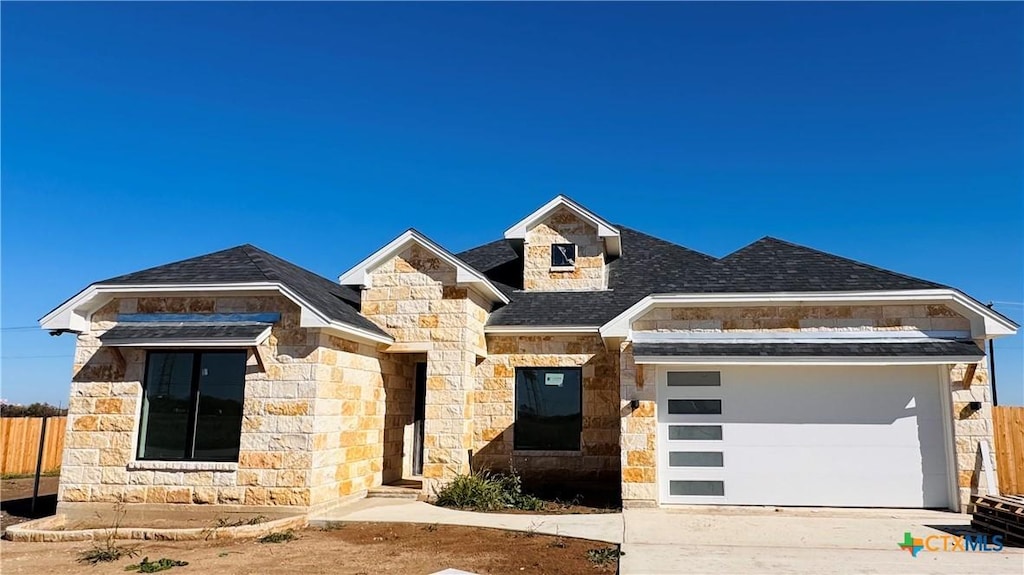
(187, 331)
(247, 263)
(650, 265)
(845, 349)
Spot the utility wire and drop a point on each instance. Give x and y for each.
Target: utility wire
(34, 356)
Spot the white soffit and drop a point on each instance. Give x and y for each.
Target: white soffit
(985, 322)
(360, 274)
(606, 231)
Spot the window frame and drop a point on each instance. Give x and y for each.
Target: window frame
(193, 410)
(566, 267)
(515, 411)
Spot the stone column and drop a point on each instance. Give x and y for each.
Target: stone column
(970, 428)
(638, 431)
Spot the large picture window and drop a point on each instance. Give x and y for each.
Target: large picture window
(549, 415)
(192, 405)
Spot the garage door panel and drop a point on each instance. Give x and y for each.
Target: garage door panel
(891, 461)
(850, 436)
(820, 492)
(761, 435)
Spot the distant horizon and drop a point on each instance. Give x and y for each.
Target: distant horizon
(890, 134)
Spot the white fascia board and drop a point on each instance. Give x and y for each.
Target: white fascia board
(606, 231)
(541, 329)
(985, 322)
(859, 336)
(74, 314)
(354, 333)
(802, 360)
(198, 342)
(360, 274)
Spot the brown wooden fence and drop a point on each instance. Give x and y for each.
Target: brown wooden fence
(19, 442)
(1008, 429)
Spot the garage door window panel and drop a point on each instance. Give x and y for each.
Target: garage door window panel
(695, 432)
(695, 406)
(695, 459)
(694, 379)
(699, 488)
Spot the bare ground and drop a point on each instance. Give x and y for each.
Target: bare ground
(354, 548)
(16, 497)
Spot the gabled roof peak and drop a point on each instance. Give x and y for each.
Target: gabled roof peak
(465, 274)
(606, 231)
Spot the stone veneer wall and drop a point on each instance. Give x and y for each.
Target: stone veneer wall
(563, 227)
(297, 409)
(639, 428)
(495, 406)
(970, 428)
(415, 297)
(804, 318)
(364, 401)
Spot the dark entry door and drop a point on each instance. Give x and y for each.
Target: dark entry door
(419, 410)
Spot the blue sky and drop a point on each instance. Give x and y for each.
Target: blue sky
(135, 134)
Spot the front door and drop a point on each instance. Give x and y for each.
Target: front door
(417, 418)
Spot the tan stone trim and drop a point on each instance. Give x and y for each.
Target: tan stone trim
(546, 453)
(140, 465)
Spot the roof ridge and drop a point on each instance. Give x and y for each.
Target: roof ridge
(246, 247)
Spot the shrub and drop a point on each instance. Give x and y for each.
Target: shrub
(147, 566)
(486, 492)
(279, 537)
(604, 555)
(109, 550)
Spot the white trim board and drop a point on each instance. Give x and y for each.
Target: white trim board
(541, 329)
(800, 360)
(360, 274)
(985, 322)
(605, 231)
(75, 314)
(835, 336)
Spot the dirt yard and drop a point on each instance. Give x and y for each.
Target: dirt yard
(353, 548)
(16, 495)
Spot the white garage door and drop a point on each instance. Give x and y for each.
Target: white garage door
(819, 436)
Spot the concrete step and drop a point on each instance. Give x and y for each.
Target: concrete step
(394, 492)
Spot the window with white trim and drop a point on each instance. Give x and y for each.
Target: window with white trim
(563, 256)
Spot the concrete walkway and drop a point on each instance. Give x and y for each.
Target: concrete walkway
(596, 526)
(792, 540)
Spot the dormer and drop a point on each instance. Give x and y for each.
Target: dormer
(565, 247)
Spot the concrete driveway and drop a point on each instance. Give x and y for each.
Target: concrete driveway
(770, 540)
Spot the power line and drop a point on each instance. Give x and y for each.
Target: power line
(20, 327)
(34, 356)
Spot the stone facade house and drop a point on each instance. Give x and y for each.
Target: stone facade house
(571, 349)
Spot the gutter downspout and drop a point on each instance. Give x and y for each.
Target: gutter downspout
(992, 364)
(992, 370)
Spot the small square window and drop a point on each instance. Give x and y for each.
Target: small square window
(563, 255)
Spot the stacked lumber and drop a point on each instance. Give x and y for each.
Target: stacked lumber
(1000, 515)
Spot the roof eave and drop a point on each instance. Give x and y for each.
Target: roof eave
(805, 360)
(361, 273)
(75, 314)
(985, 322)
(605, 231)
